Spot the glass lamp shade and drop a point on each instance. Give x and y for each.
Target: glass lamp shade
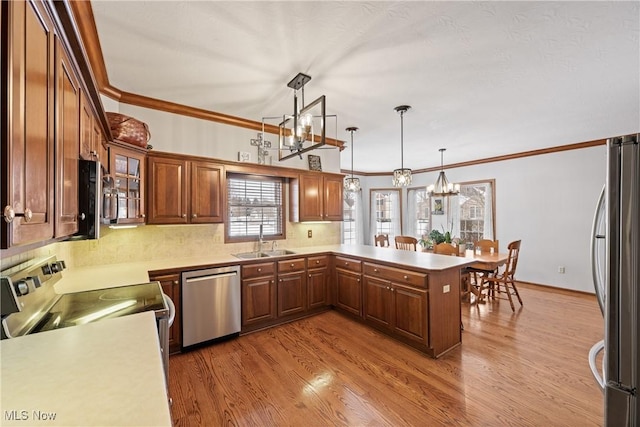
(401, 177)
(352, 185)
(443, 187)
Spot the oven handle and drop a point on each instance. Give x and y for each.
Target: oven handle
(172, 309)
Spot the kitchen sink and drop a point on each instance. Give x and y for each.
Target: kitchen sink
(253, 255)
(280, 252)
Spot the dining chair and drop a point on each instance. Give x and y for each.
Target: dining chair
(381, 240)
(505, 282)
(406, 243)
(478, 274)
(465, 278)
(445, 249)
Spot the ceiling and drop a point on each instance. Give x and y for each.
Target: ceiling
(484, 79)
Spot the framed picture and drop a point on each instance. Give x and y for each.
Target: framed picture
(314, 163)
(438, 207)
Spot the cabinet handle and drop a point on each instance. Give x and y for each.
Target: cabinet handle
(194, 216)
(271, 282)
(406, 277)
(259, 270)
(375, 270)
(184, 215)
(292, 265)
(142, 216)
(281, 280)
(28, 214)
(358, 280)
(392, 289)
(309, 276)
(388, 288)
(175, 282)
(346, 263)
(9, 214)
(317, 262)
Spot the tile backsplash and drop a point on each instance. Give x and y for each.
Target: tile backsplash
(153, 242)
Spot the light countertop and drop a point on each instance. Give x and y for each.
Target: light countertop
(88, 375)
(104, 276)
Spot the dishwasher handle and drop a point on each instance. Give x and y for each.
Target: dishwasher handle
(210, 277)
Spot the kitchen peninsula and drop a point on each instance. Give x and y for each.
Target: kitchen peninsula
(412, 296)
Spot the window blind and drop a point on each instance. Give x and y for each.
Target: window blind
(252, 201)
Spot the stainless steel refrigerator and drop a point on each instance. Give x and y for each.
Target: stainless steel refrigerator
(615, 259)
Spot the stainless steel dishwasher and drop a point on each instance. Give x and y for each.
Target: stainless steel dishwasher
(210, 304)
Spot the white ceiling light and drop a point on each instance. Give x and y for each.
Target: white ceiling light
(402, 176)
(351, 184)
(442, 186)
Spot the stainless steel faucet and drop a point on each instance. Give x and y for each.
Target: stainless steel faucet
(260, 239)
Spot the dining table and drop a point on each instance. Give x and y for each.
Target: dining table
(489, 261)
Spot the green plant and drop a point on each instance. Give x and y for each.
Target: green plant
(437, 237)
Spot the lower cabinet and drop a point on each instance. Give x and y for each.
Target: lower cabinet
(258, 294)
(398, 308)
(317, 282)
(292, 287)
(171, 287)
(348, 293)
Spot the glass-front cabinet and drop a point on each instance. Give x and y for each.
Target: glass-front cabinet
(127, 173)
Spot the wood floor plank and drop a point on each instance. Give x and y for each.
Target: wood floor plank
(522, 368)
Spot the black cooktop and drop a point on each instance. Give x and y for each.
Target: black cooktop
(90, 306)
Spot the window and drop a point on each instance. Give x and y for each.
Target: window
(385, 213)
(474, 214)
(418, 212)
(352, 222)
(252, 201)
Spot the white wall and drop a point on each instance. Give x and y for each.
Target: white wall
(175, 133)
(547, 201)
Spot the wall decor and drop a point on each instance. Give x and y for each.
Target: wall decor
(244, 156)
(314, 163)
(438, 207)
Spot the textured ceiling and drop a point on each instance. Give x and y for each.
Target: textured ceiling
(484, 78)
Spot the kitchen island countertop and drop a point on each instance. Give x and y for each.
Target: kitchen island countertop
(92, 374)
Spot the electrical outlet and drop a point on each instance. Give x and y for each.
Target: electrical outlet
(309, 234)
(561, 269)
(446, 289)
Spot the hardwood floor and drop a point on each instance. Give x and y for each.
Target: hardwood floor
(527, 368)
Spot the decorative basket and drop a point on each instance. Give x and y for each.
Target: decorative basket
(127, 129)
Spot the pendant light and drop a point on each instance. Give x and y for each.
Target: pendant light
(351, 184)
(402, 176)
(442, 186)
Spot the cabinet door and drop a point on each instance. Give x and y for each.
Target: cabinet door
(377, 301)
(207, 190)
(291, 294)
(128, 171)
(87, 147)
(167, 191)
(311, 198)
(410, 312)
(333, 202)
(349, 291)
(171, 287)
(28, 168)
(67, 144)
(317, 280)
(258, 300)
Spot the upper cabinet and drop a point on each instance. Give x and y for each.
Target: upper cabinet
(28, 45)
(316, 197)
(127, 173)
(184, 190)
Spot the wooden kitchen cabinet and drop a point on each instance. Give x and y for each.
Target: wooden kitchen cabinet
(171, 287)
(348, 293)
(292, 287)
(67, 143)
(183, 191)
(92, 140)
(258, 295)
(398, 307)
(127, 168)
(28, 137)
(316, 197)
(317, 282)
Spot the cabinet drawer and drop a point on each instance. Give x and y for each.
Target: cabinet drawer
(317, 261)
(348, 264)
(395, 274)
(290, 265)
(258, 270)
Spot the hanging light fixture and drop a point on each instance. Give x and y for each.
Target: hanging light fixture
(305, 129)
(351, 184)
(402, 176)
(442, 186)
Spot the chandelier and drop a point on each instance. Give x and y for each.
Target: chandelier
(305, 129)
(442, 186)
(351, 184)
(402, 176)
